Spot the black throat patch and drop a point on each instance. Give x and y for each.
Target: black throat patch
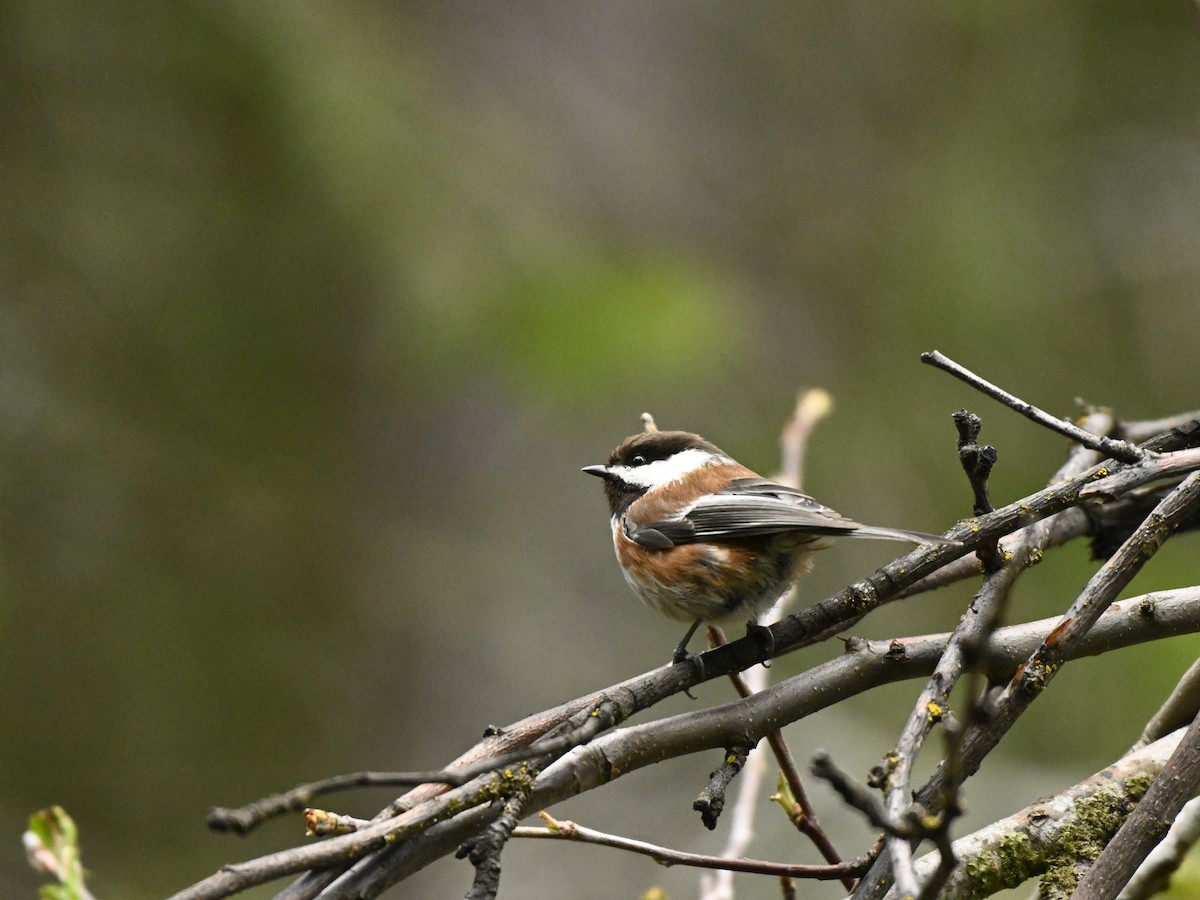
(621, 495)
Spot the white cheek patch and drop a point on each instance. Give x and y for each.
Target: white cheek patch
(664, 471)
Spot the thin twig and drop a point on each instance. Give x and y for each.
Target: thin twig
(855, 795)
(499, 748)
(977, 459)
(484, 849)
(811, 408)
(718, 884)
(947, 863)
(1121, 450)
(950, 804)
(804, 817)
(806, 821)
(1145, 429)
(245, 818)
(564, 830)
(1165, 466)
(711, 801)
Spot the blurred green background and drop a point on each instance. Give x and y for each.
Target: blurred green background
(310, 314)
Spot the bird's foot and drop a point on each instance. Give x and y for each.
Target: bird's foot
(763, 635)
(681, 655)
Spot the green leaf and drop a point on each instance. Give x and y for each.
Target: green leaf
(52, 847)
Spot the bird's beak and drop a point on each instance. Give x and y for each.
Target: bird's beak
(601, 471)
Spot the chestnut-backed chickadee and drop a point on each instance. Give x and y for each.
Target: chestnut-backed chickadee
(701, 538)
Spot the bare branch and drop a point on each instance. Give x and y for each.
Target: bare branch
(1151, 469)
(1048, 835)
(246, 818)
(811, 407)
(1154, 874)
(563, 830)
(856, 795)
(711, 801)
(1188, 422)
(718, 884)
(1175, 785)
(977, 459)
(1121, 450)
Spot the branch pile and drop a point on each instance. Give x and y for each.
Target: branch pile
(1128, 486)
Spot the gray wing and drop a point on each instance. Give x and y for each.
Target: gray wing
(750, 507)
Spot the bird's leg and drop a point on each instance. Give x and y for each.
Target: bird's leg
(681, 655)
(681, 652)
(762, 634)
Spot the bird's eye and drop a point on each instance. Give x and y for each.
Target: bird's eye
(638, 461)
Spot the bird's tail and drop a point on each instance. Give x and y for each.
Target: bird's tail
(895, 534)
